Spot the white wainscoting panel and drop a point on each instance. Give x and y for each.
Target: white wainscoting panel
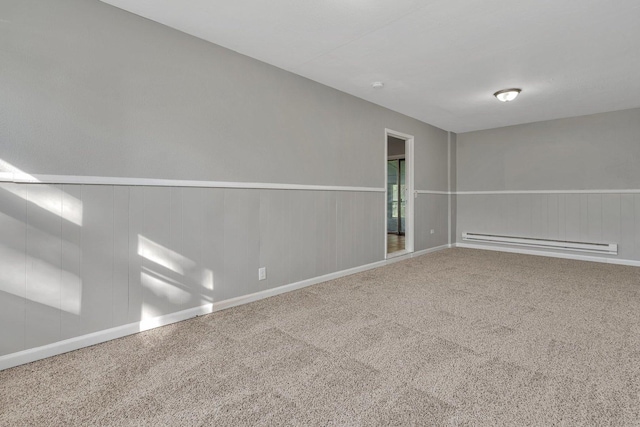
(587, 217)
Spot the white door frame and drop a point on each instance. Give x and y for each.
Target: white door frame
(409, 188)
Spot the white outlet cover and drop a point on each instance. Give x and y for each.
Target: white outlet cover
(262, 273)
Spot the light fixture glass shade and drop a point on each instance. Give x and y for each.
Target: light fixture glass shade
(507, 95)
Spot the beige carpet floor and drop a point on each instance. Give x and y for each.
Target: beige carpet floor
(458, 337)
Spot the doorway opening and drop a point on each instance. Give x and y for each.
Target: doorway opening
(399, 193)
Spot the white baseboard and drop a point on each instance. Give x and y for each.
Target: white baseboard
(415, 254)
(430, 250)
(53, 349)
(589, 258)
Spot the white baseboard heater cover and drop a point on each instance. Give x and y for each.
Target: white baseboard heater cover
(600, 248)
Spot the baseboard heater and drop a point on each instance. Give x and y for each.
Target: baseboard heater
(600, 248)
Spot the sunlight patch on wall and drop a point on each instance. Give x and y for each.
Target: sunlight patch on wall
(56, 201)
(174, 261)
(207, 279)
(163, 256)
(164, 290)
(12, 173)
(150, 318)
(44, 196)
(43, 283)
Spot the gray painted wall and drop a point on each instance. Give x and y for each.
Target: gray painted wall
(142, 252)
(589, 153)
(607, 218)
(453, 144)
(89, 89)
(600, 151)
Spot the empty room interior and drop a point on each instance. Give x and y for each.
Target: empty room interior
(355, 212)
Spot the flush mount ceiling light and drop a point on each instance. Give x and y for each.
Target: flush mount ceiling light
(377, 85)
(506, 95)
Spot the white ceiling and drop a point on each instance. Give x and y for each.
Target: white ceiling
(440, 60)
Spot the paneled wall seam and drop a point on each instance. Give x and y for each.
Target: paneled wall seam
(61, 207)
(113, 251)
(26, 263)
(26, 235)
(449, 187)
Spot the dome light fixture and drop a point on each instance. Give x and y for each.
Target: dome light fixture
(377, 85)
(506, 95)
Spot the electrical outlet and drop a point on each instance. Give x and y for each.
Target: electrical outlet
(433, 231)
(262, 273)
